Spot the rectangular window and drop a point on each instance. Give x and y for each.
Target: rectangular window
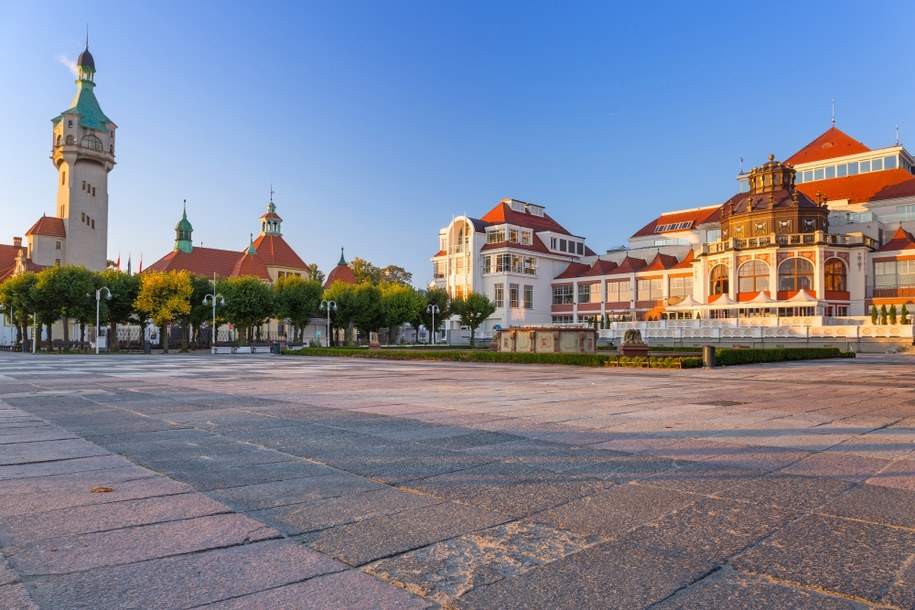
(584, 293)
(581, 248)
(552, 243)
(516, 263)
(487, 264)
(526, 238)
(831, 171)
(877, 165)
(438, 270)
(562, 245)
(889, 162)
(57, 245)
(513, 295)
(82, 217)
(681, 286)
(562, 319)
(864, 166)
(649, 290)
(528, 296)
(853, 168)
(530, 265)
(563, 295)
(885, 274)
(818, 173)
(808, 175)
(513, 236)
(841, 170)
(459, 264)
(57, 262)
(495, 237)
(93, 223)
(619, 291)
(498, 296)
(905, 273)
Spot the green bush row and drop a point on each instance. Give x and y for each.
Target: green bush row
(503, 357)
(728, 357)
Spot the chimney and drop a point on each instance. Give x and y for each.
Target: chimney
(17, 242)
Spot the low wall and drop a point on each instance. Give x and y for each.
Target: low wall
(547, 340)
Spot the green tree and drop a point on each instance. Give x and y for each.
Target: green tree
(316, 274)
(401, 304)
(874, 314)
(439, 298)
(249, 303)
(297, 300)
(473, 311)
(199, 313)
(344, 295)
(164, 297)
(124, 290)
(392, 274)
(883, 314)
(904, 313)
(365, 271)
(16, 297)
(892, 314)
(64, 293)
(368, 315)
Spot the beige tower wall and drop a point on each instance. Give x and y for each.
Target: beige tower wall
(84, 201)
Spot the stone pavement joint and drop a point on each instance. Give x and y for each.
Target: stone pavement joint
(256, 483)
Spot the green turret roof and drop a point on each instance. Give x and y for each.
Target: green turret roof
(184, 224)
(342, 260)
(87, 107)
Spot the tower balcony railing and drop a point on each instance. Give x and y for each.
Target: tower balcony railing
(792, 239)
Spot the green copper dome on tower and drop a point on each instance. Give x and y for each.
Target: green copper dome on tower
(183, 231)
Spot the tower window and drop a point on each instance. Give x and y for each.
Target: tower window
(93, 191)
(57, 245)
(69, 123)
(93, 223)
(63, 177)
(82, 216)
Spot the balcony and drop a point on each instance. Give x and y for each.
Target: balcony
(791, 239)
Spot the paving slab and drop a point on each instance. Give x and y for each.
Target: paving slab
(884, 505)
(133, 544)
(371, 539)
(787, 491)
(293, 491)
(42, 469)
(47, 451)
(611, 576)
(850, 558)
(185, 581)
(15, 597)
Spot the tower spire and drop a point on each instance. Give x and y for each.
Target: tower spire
(342, 259)
(833, 113)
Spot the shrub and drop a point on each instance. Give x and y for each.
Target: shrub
(874, 314)
(904, 312)
(893, 314)
(883, 314)
(728, 357)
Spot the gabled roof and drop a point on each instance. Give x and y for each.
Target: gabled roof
(200, 261)
(251, 264)
(902, 240)
(630, 265)
(694, 217)
(687, 262)
(8, 256)
(503, 213)
(661, 262)
(274, 251)
(601, 267)
(572, 271)
(830, 144)
(50, 226)
(873, 186)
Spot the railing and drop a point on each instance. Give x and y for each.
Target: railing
(793, 239)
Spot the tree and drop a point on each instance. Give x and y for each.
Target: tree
(124, 290)
(892, 314)
(400, 304)
(883, 314)
(439, 298)
(63, 292)
(392, 274)
(344, 295)
(315, 273)
(365, 271)
(199, 313)
(473, 311)
(904, 313)
(16, 297)
(368, 315)
(164, 297)
(249, 303)
(297, 300)
(874, 314)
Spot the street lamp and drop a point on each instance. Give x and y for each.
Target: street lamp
(329, 306)
(433, 309)
(213, 298)
(98, 300)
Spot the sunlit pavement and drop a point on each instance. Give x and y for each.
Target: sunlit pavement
(282, 482)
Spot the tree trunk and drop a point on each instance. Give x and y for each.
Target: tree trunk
(165, 334)
(185, 334)
(66, 323)
(50, 338)
(113, 337)
(473, 332)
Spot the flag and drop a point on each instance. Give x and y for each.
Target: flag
(140, 270)
(117, 264)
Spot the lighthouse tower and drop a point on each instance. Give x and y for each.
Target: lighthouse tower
(83, 153)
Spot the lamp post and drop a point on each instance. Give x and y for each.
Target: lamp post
(433, 309)
(329, 306)
(8, 316)
(98, 301)
(213, 297)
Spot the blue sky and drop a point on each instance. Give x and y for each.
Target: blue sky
(376, 122)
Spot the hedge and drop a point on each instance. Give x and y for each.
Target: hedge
(728, 357)
(503, 357)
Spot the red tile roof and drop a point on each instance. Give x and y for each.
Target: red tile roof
(200, 261)
(601, 267)
(8, 256)
(271, 215)
(687, 262)
(696, 216)
(873, 186)
(340, 273)
(50, 226)
(572, 271)
(503, 213)
(251, 264)
(902, 240)
(441, 253)
(630, 265)
(831, 144)
(274, 251)
(661, 262)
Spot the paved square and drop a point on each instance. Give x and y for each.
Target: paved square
(199, 481)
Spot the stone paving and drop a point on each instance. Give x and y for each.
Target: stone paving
(278, 482)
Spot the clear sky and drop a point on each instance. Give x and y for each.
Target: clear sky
(377, 121)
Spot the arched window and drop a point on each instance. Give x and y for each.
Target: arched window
(70, 140)
(795, 274)
(718, 280)
(91, 141)
(753, 276)
(835, 275)
(60, 140)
